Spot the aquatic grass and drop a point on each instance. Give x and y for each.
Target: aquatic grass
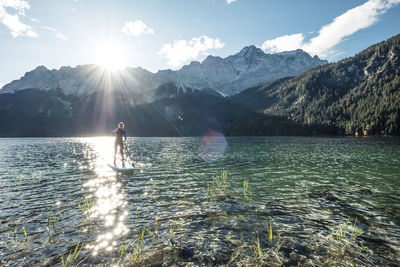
(279, 246)
(156, 224)
(345, 229)
(246, 192)
(218, 186)
(340, 233)
(345, 244)
(124, 248)
(245, 186)
(15, 232)
(259, 252)
(260, 257)
(75, 255)
(142, 238)
(76, 251)
(154, 184)
(173, 230)
(136, 254)
(356, 232)
(26, 235)
(87, 207)
(65, 263)
(53, 219)
(269, 228)
(363, 248)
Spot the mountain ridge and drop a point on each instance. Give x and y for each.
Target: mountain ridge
(359, 95)
(228, 75)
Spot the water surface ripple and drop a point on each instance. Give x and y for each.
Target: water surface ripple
(331, 201)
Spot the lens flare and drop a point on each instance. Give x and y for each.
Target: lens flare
(214, 146)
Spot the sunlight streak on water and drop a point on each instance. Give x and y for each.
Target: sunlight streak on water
(108, 195)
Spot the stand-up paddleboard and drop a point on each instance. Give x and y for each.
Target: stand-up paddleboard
(121, 169)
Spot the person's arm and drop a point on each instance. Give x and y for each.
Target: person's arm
(115, 130)
(124, 136)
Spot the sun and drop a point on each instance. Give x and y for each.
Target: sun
(110, 56)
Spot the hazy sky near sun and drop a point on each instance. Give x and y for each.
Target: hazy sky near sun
(160, 34)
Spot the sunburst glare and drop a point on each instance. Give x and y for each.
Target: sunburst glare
(110, 56)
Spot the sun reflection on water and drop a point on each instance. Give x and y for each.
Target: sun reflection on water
(106, 191)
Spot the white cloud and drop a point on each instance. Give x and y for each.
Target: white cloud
(57, 33)
(181, 51)
(35, 20)
(230, 1)
(136, 28)
(12, 22)
(330, 35)
(284, 43)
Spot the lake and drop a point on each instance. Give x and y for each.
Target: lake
(203, 200)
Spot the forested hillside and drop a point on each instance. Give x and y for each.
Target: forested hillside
(357, 95)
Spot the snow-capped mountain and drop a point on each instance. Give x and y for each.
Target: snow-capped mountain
(247, 68)
(227, 76)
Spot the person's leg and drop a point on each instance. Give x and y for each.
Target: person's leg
(121, 150)
(115, 151)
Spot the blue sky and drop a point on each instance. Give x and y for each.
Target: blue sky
(160, 34)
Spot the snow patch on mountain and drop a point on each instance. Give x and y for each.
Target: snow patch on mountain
(228, 76)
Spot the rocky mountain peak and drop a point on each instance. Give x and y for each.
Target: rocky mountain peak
(40, 68)
(228, 76)
(250, 52)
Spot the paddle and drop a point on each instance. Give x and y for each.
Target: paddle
(129, 155)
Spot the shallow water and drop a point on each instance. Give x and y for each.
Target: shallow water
(61, 193)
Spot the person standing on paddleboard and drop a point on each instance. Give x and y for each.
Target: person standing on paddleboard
(120, 138)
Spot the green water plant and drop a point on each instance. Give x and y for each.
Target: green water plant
(76, 251)
(345, 243)
(339, 233)
(136, 254)
(15, 231)
(245, 186)
(266, 256)
(219, 185)
(269, 228)
(173, 230)
(26, 235)
(278, 247)
(363, 248)
(156, 224)
(259, 251)
(356, 231)
(65, 263)
(154, 184)
(124, 248)
(53, 219)
(87, 207)
(75, 256)
(142, 238)
(246, 192)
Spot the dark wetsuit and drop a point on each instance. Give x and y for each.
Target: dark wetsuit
(118, 140)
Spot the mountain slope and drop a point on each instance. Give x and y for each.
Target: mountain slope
(33, 112)
(357, 95)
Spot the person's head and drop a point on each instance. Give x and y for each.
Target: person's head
(121, 125)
